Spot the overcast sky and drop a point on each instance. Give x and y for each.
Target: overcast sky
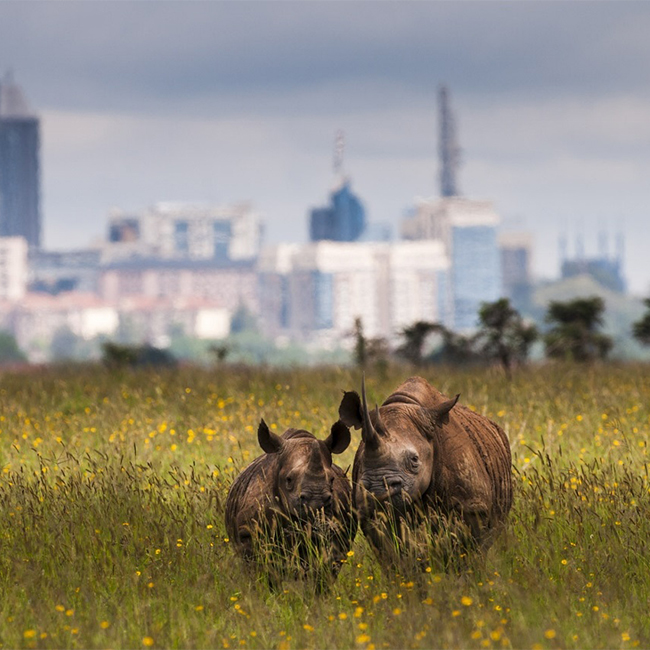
(228, 101)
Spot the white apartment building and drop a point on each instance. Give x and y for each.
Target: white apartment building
(314, 292)
(174, 231)
(13, 268)
(224, 286)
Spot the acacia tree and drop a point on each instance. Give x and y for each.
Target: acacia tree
(641, 328)
(9, 350)
(575, 334)
(368, 350)
(503, 334)
(412, 349)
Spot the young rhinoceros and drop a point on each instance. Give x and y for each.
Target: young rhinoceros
(425, 459)
(292, 507)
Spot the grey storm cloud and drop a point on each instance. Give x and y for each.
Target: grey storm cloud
(162, 55)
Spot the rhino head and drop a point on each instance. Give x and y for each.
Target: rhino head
(304, 478)
(396, 462)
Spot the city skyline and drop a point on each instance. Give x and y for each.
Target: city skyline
(142, 104)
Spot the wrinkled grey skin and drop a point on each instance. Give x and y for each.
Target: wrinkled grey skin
(293, 490)
(422, 455)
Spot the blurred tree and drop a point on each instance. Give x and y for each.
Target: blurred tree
(219, 351)
(456, 349)
(9, 350)
(65, 345)
(412, 349)
(574, 334)
(641, 328)
(503, 335)
(243, 320)
(360, 343)
(116, 355)
(369, 350)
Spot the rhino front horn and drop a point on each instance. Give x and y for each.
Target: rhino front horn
(368, 433)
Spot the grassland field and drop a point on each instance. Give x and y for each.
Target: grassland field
(112, 492)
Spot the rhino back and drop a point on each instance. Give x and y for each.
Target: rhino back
(474, 463)
(415, 391)
(250, 494)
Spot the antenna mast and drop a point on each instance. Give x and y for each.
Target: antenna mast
(447, 146)
(339, 150)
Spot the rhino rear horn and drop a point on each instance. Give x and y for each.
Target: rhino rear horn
(339, 438)
(440, 414)
(269, 441)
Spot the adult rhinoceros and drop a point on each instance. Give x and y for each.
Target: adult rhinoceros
(423, 458)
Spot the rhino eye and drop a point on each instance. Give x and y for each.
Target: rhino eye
(413, 462)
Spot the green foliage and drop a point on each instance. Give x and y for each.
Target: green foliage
(455, 349)
(641, 328)
(574, 334)
(412, 349)
(369, 351)
(9, 350)
(132, 356)
(219, 351)
(112, 496)
(503, 334)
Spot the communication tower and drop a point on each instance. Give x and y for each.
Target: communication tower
(447, 146)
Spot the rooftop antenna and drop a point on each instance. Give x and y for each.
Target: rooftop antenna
(339, 150)
(447, 146)
(620, 247)
(563, 247)
(580, 246)
(603, 245)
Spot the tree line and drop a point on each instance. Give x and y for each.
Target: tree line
(503, 336)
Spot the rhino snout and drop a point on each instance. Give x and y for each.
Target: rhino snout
(395, 483)
(311, 501)
(384, 487)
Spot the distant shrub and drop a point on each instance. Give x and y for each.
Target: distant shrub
(116, 355)
(9, 350)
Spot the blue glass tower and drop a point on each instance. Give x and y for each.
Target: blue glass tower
(343, 220)
(476, 272)
(19, 166)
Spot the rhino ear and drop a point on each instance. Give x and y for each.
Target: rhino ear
(350, 410)
(339, 438)
(440, 414)
(269, 441)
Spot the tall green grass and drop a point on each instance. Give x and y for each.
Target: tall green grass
(113, 485)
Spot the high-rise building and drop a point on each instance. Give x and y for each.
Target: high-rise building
(515, 249)
(185, 231)
(605, 268)
(314, 292)
(19, 166)
(13, 268)
(468, 230)
(343, 220)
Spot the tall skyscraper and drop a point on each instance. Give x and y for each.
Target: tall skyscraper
(468, 230)
(515, 250)
(19, 166)
(345, 218)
